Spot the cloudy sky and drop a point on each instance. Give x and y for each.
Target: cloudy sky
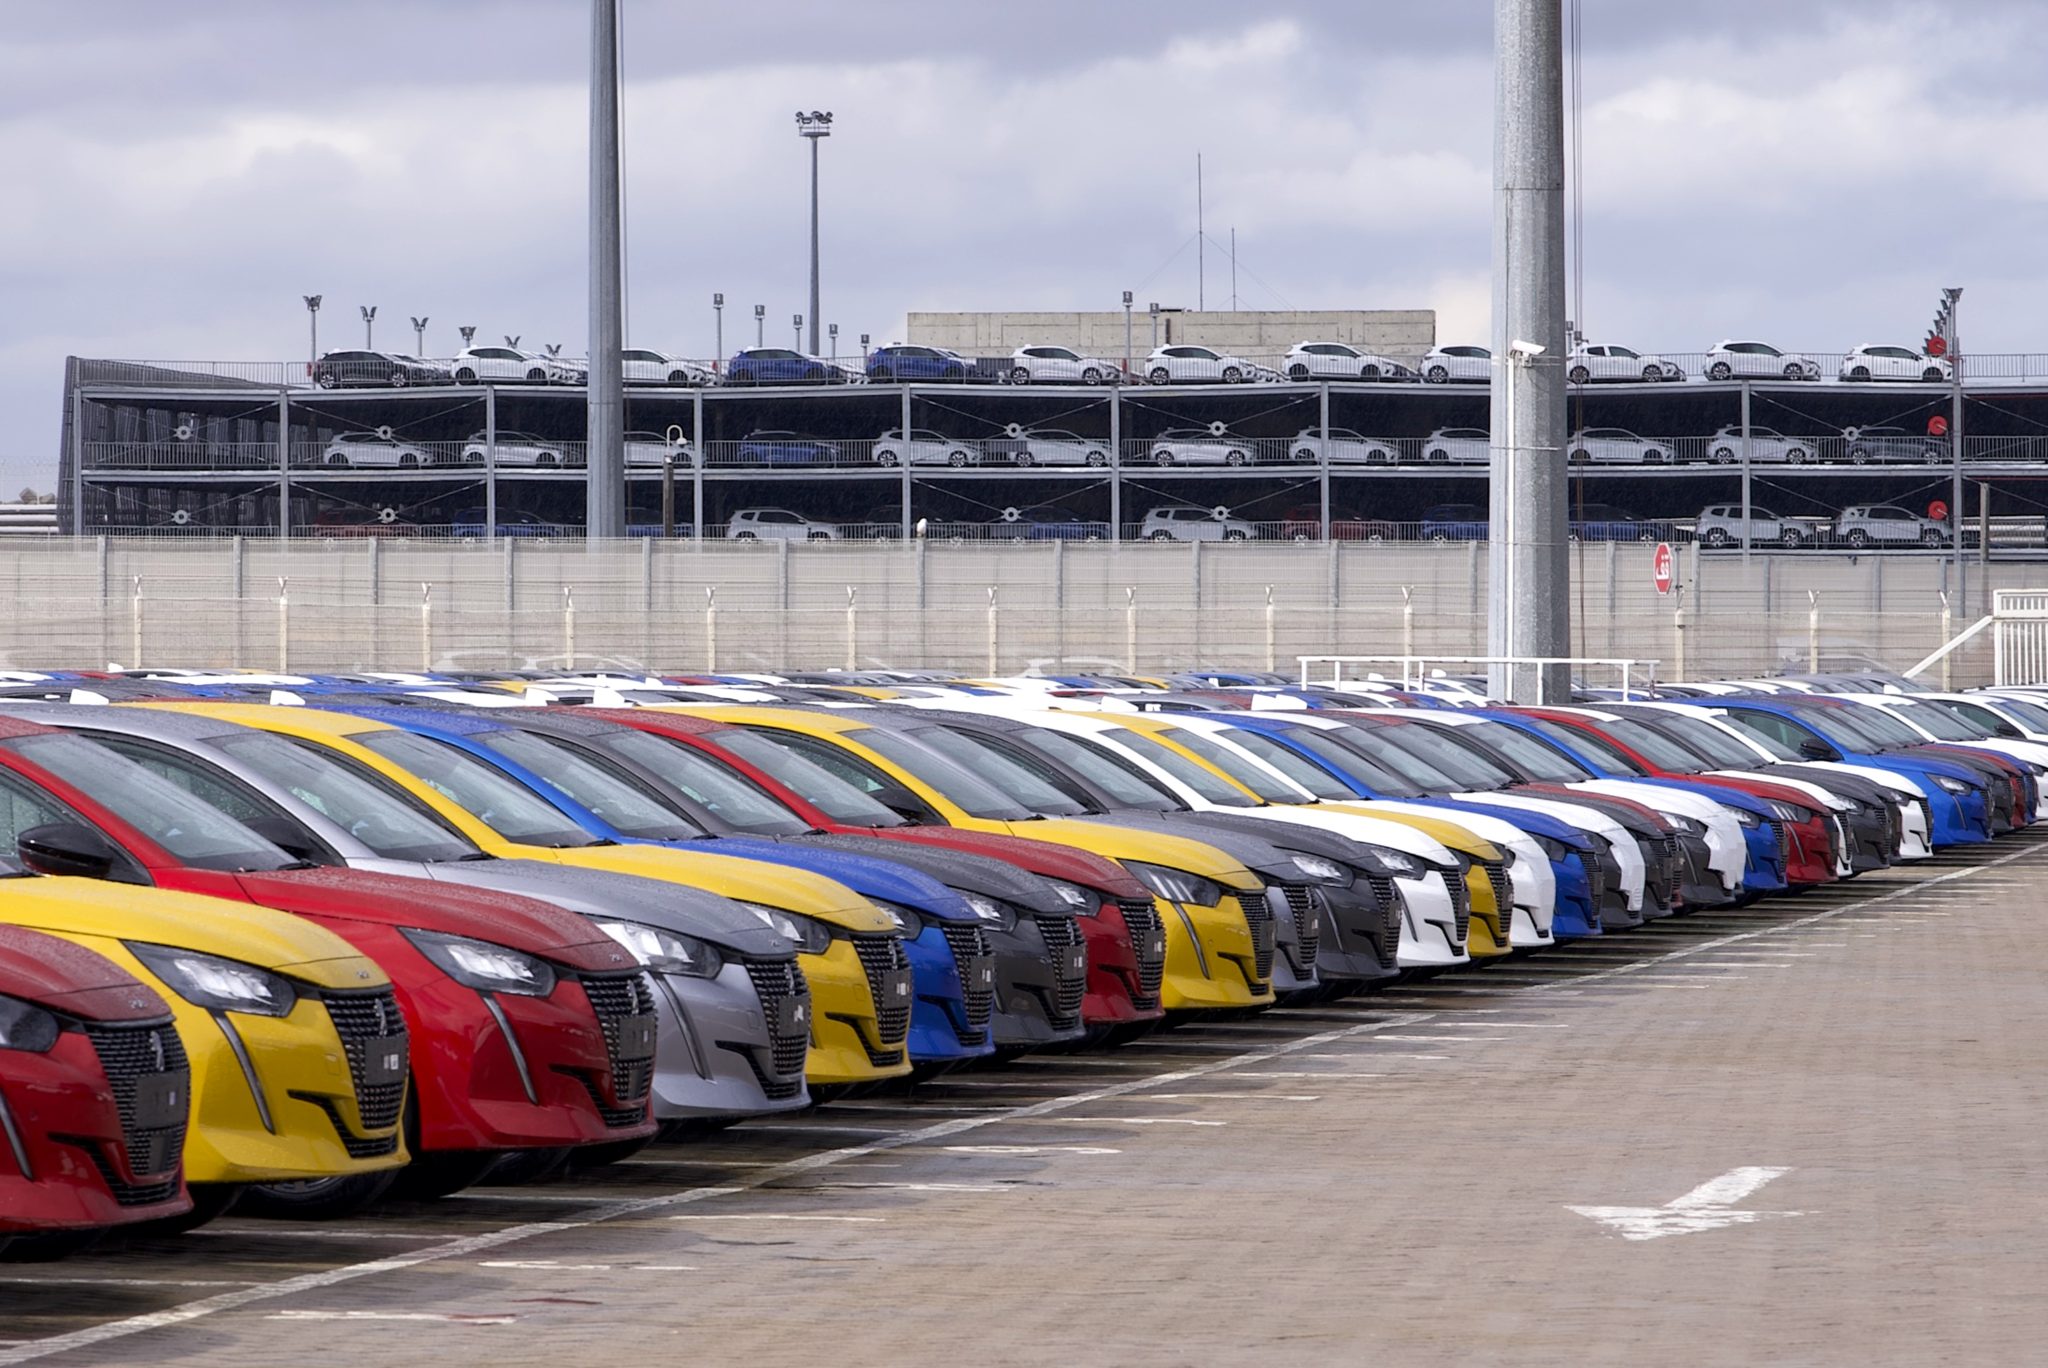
(177, 176)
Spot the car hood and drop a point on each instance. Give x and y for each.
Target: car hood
(1082, 867)
(865, 872)
(955, 869)
(1252, 849)
(70, 978)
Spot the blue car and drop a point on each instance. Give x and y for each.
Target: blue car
(773, 448)
(887, 364)
(1049, 524)
(471, 522)
(1454, 522)
(949, 1014)
(1604, 522)
(780, 366)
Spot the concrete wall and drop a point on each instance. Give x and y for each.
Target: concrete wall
(1402, 333)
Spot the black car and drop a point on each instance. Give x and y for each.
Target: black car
(378, 370)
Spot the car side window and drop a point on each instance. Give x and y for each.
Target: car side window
(209, 787)
(23, 806)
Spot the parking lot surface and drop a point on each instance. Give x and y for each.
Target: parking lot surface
(1823, 1111)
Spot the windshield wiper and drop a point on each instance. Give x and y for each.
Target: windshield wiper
(474, 856)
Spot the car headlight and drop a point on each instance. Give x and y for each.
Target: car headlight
(1552, 848)
(220, 985)
(483, 966)
(26, 1027)
(1401, 864)
(1748, 818)
(1948, 785)
(665, 952)
(907, 921)
(1689, 825)
(1322, 870)
(1787, 812)
(807, 935)
(1077, 897)
(1176, 885)
(992, 913)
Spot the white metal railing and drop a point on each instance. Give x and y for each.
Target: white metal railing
(1419, 672)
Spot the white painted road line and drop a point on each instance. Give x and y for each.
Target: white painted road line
(1709, 1206)
(773, 1216)
(1230, 1097)
(129, 1282)
(449, 1319)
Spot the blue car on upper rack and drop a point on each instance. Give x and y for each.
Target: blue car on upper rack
(776, 448)
(886, 364)
(780, 366)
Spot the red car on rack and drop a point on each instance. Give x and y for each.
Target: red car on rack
(529, 1029)
(1304, 522)
(94, 1094)
(1126, 943)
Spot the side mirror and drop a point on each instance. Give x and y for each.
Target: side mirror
(1817, 750)
(65, 848)
(902, 802)
(288, 836)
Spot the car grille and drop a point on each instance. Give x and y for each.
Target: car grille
(1389, 947)
(1258, 919)
(616, 998)
(1840, 829)
(977, 999)
(1308, 922)
(127, 1055)
(1894, 828)
(1503, 895)
(1141, 920)
(1784, 835)
(774, 982)
(360, 1018)
(879, 954)
(614, 1118)
(1461, 903)
(1926, 815)
(357, 1147)
(1061, 935)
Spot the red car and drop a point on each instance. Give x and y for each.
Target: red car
(529, 1029)
(1304, 522)
(93, 1095)
(1126, 943)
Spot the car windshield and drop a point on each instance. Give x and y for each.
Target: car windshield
(1532, 757)
(726, 796)
(835, 797)
(1361, 763)
(2031, 715)
(620, 804)
(1604, 753)
(480, 788)
(163, 812)
(1015, 781)
(960, 785)
(1246, 773)
(1848, 733)
(1198, 778)
(392, 827)
(1706, 740)
(1464, 769)
(1126, 786)
(1659, 749)
(1940, 721)
(1875, 722)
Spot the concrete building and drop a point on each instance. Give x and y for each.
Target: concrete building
(1259, 335)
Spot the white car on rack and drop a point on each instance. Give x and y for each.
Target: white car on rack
(1340, 361)
(923, 447)
(652, 449)
(1212, 445)
(1060, 366)
(1602, 361)
(778, 524)
(1442, 365)
(1888, 524)
(378, 450)
(1721, 525)
(1185, 522)
(519, 449)
(1183, 365)
(1345, 446)
(1046, 447)
(644, 367)
(473, 364)
(1725, 447)
(1866, 361)
(1737, 360)
(1617, 446)
(1457, 446)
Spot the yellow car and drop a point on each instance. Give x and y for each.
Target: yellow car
(851, 1041)
(1219, 937)
(1485, 865)
(277, 1097)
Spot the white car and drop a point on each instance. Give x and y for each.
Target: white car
(924, 447)
(1060, 366)
(1340, 361)
(645, 367)
(1049, 447)
(519, 449)
(1212, 445)
(651, 449)
(1617, 445)
(1344, 446)
(1866, 524)
(1734, 360)
(1868, 362)
(778, 524)
(1196, 365)
(1441, 365)
(1606, 362)
(509, 363)
(1467, 446)
(1725, 447)
(373, 450)
(1721, 525)
(1184, 522)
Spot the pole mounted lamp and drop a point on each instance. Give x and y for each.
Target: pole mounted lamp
(369, 321)
(797, 323)
(760, 322)
(468, 331)
(813, 128)
(313, 319)
(1127, 332)
(832, 330)
(419, 336)
(718, 323)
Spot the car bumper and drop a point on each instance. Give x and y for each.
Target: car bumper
(88, 1178)
(725, 1046)
(1435, 930)
(1361, 939)
(1213, 954)
(941, 1030)
(1042, 977)
(1126, 964)
(851, 1042)
(1576, 912)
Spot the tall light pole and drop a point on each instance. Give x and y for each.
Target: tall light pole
(718, 323)
(605, 407)
(1127, 332)
(369, 312)
(1155, 325)
(813, 127)
(313, 321)
(760, 323)
(419, 336)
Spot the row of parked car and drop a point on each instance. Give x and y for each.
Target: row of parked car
(289, 946)
(1173, 364)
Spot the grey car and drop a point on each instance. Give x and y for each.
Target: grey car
(732, 1044)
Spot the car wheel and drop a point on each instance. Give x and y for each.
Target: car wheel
(1098, 458)
(1722, 455)
(1859, 456)
(1717, 537)
(1162, 535)
(1436, 454)
(887, 458)
(818, 536)
(1297, 372)
(1791, 539)
(338, 460)
(316, 1199)
(1858, 538)
(744, 536)
(1369, 373)
(956, 459)
(1164, 458)
(1436, 375)
(537, 376)
(1231, 375)
(442, 1173)
(1578, 375)
(545, 458)
(1024, 458)
(1720, 370)
(1798, 455)
(884, 376)
(1932, 540)
(408, 461)
(1231, 534)
(1233, 458)
(1652, 375)
(1440, 538)
(1932, 373)
(1157, 375)
(1859, 373)
(1091, 376)
(1578, 454)
(397, 379)
(1795, 372)
(328, 380)
(465, 377)
(1305, 455)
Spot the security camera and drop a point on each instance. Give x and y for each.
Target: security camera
(1524, 351)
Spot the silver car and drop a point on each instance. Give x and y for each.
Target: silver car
(1213, 445)
(730, 1043)
(1888, 525)
(1725, 447)
(1721, 525)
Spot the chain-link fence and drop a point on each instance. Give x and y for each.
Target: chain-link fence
(413, 604)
